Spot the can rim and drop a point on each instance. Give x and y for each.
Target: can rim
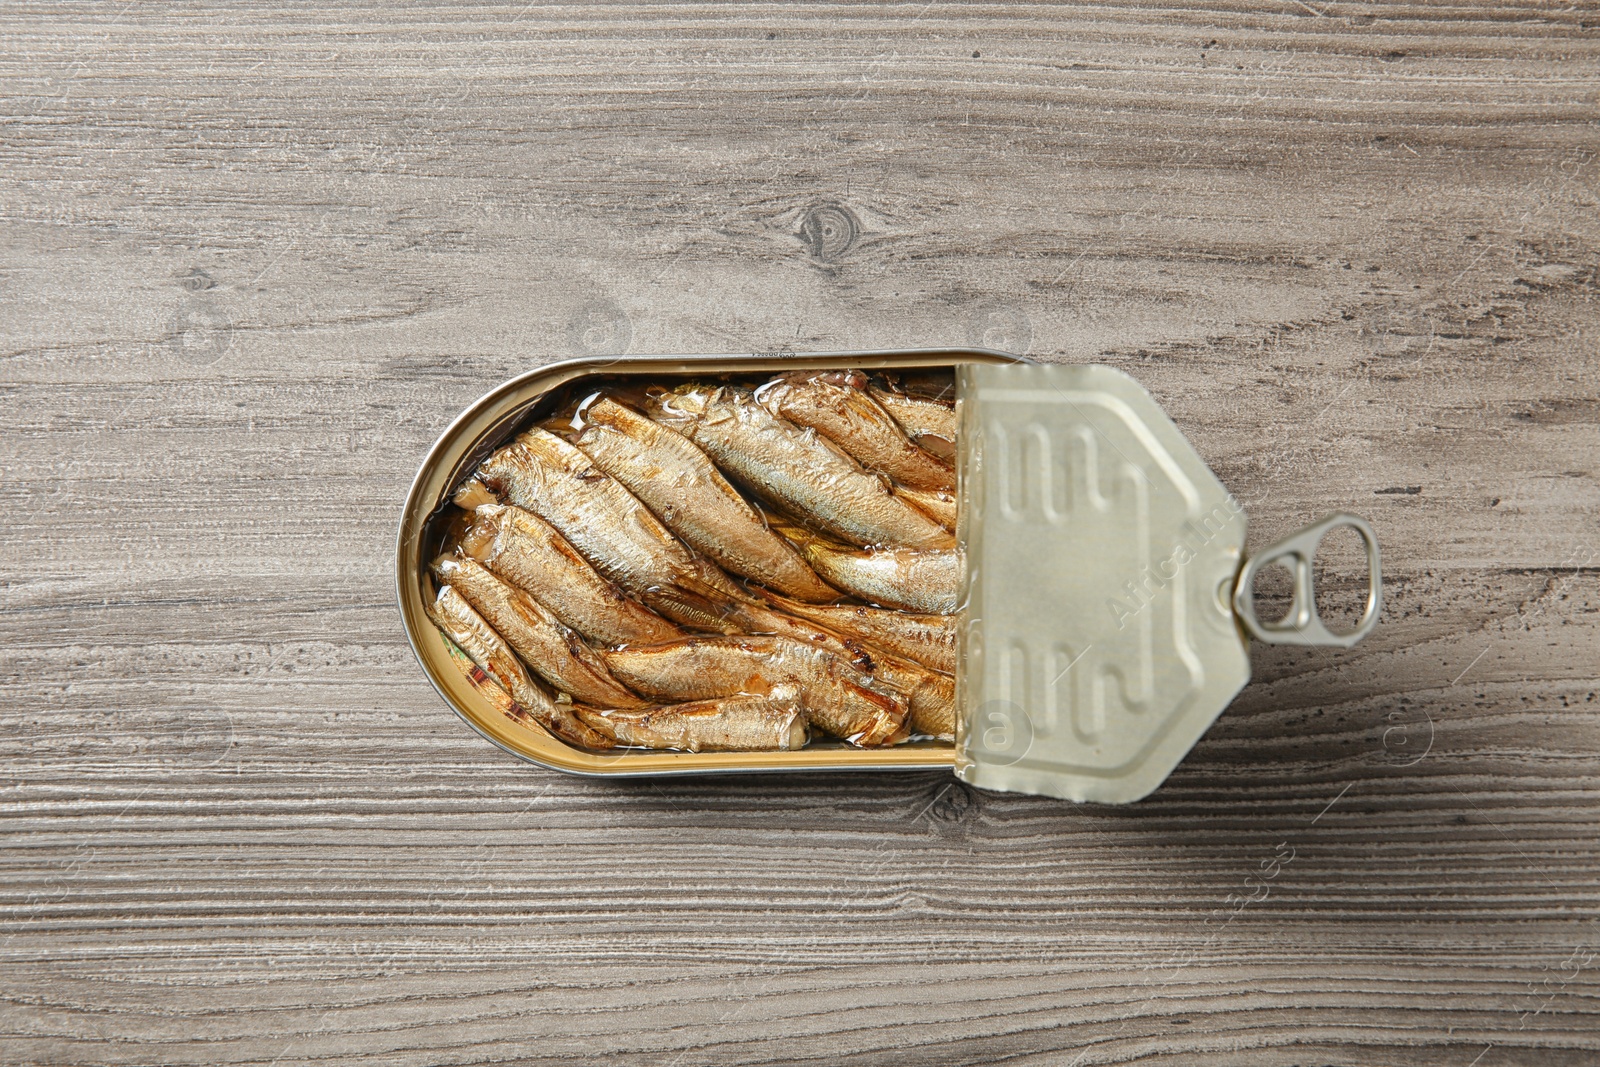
(505, 403)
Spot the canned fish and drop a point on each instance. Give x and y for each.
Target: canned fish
(881, 560)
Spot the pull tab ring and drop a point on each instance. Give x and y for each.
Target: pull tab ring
(1303, 626)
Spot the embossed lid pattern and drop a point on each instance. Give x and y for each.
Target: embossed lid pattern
(1101, 555)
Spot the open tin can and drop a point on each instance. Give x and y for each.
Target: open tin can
(1107, 608)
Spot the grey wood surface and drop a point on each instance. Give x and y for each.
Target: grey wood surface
(256, 256)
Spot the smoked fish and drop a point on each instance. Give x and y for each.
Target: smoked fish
(527, 552)
(837, 405)
(837, 698)
(683, 487)
(609, 527)
(795, 468)
(554, 651)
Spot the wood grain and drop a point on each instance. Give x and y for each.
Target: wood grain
(256, 257)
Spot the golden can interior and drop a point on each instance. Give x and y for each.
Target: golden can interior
(839, 542)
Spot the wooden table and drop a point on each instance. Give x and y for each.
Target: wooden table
(257, 257)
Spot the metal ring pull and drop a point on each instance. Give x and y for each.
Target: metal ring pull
(1302, 625)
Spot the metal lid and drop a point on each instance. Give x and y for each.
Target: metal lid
(1101, 563)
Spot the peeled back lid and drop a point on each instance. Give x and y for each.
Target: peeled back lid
(1101, 557)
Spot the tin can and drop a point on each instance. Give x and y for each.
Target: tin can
(1107, 602)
